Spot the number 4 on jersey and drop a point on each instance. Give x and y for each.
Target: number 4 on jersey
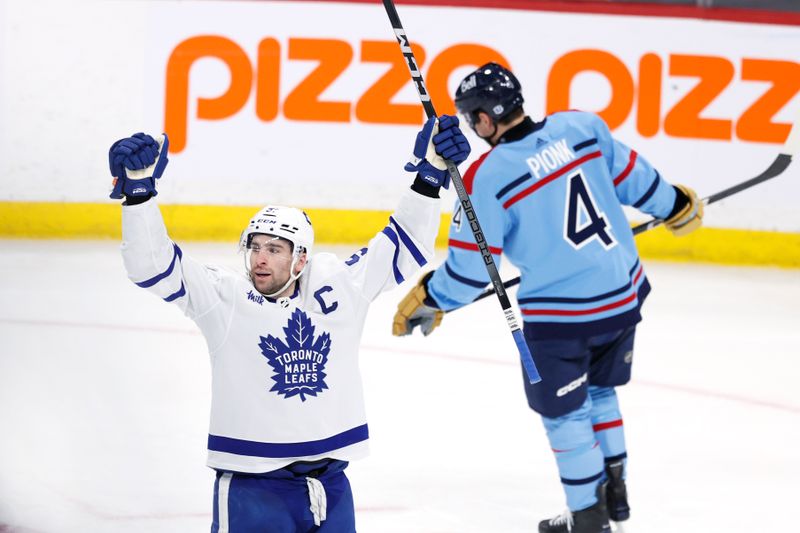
(583, 220)
(457, 218)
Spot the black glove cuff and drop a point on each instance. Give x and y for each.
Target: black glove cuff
(681, 201)
(424, 188)
(428, 300)
(136, 200)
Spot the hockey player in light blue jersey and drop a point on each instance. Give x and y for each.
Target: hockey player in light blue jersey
(549, 196)
(287, 409)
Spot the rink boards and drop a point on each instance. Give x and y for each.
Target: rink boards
(308, 104)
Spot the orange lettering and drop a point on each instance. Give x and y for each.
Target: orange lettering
(268, 79)
(177, 85)
(303, 102)
(684, 120)
(756, 124)
(648, 117)
(611, 67)
(375, 104)
(443, 65)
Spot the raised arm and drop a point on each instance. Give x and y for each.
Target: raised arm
(152, 260)
(406, 243)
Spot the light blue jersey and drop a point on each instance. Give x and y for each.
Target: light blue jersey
(549, 196)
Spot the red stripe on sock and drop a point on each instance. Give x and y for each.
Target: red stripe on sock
(607, 425)
(556, 450)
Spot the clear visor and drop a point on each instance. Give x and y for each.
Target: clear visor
(273, 249)
(466, 118)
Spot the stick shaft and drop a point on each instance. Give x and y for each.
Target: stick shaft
(775, 169)
(463, 196)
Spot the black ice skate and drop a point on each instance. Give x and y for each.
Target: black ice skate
(591, 520)
(616, 493)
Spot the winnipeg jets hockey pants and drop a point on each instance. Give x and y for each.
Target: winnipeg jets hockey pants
(304, 497)
(569, 366)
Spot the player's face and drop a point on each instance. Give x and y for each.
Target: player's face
(484, 127)
(270, 263)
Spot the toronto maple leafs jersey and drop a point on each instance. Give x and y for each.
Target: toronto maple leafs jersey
(549, 197)
(286, 384)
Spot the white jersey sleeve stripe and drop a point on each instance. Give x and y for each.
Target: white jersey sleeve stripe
(174, 296)
(177, 255)
(390, 233)
(415, 253)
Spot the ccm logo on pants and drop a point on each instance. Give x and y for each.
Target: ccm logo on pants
(566, 389)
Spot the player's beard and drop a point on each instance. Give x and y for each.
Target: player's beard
(269, 284)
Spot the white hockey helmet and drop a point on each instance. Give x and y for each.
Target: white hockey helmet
(287, 223)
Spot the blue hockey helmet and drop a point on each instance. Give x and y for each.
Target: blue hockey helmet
(492, 89)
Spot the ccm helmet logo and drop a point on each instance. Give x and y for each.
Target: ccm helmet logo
(566, 389)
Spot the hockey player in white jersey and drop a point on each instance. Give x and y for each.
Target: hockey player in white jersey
(287, 411)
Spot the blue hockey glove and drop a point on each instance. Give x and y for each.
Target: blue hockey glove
(438, 139)
(136, 162)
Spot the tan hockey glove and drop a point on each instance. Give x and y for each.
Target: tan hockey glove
(689, 217)
(412, 311)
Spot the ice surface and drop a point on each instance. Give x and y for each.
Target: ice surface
(104, 398)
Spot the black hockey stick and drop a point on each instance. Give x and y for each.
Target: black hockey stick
(466, 204)
(781, 163)
(777, 167)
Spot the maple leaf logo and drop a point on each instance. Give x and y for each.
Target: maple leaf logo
(299, 360)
